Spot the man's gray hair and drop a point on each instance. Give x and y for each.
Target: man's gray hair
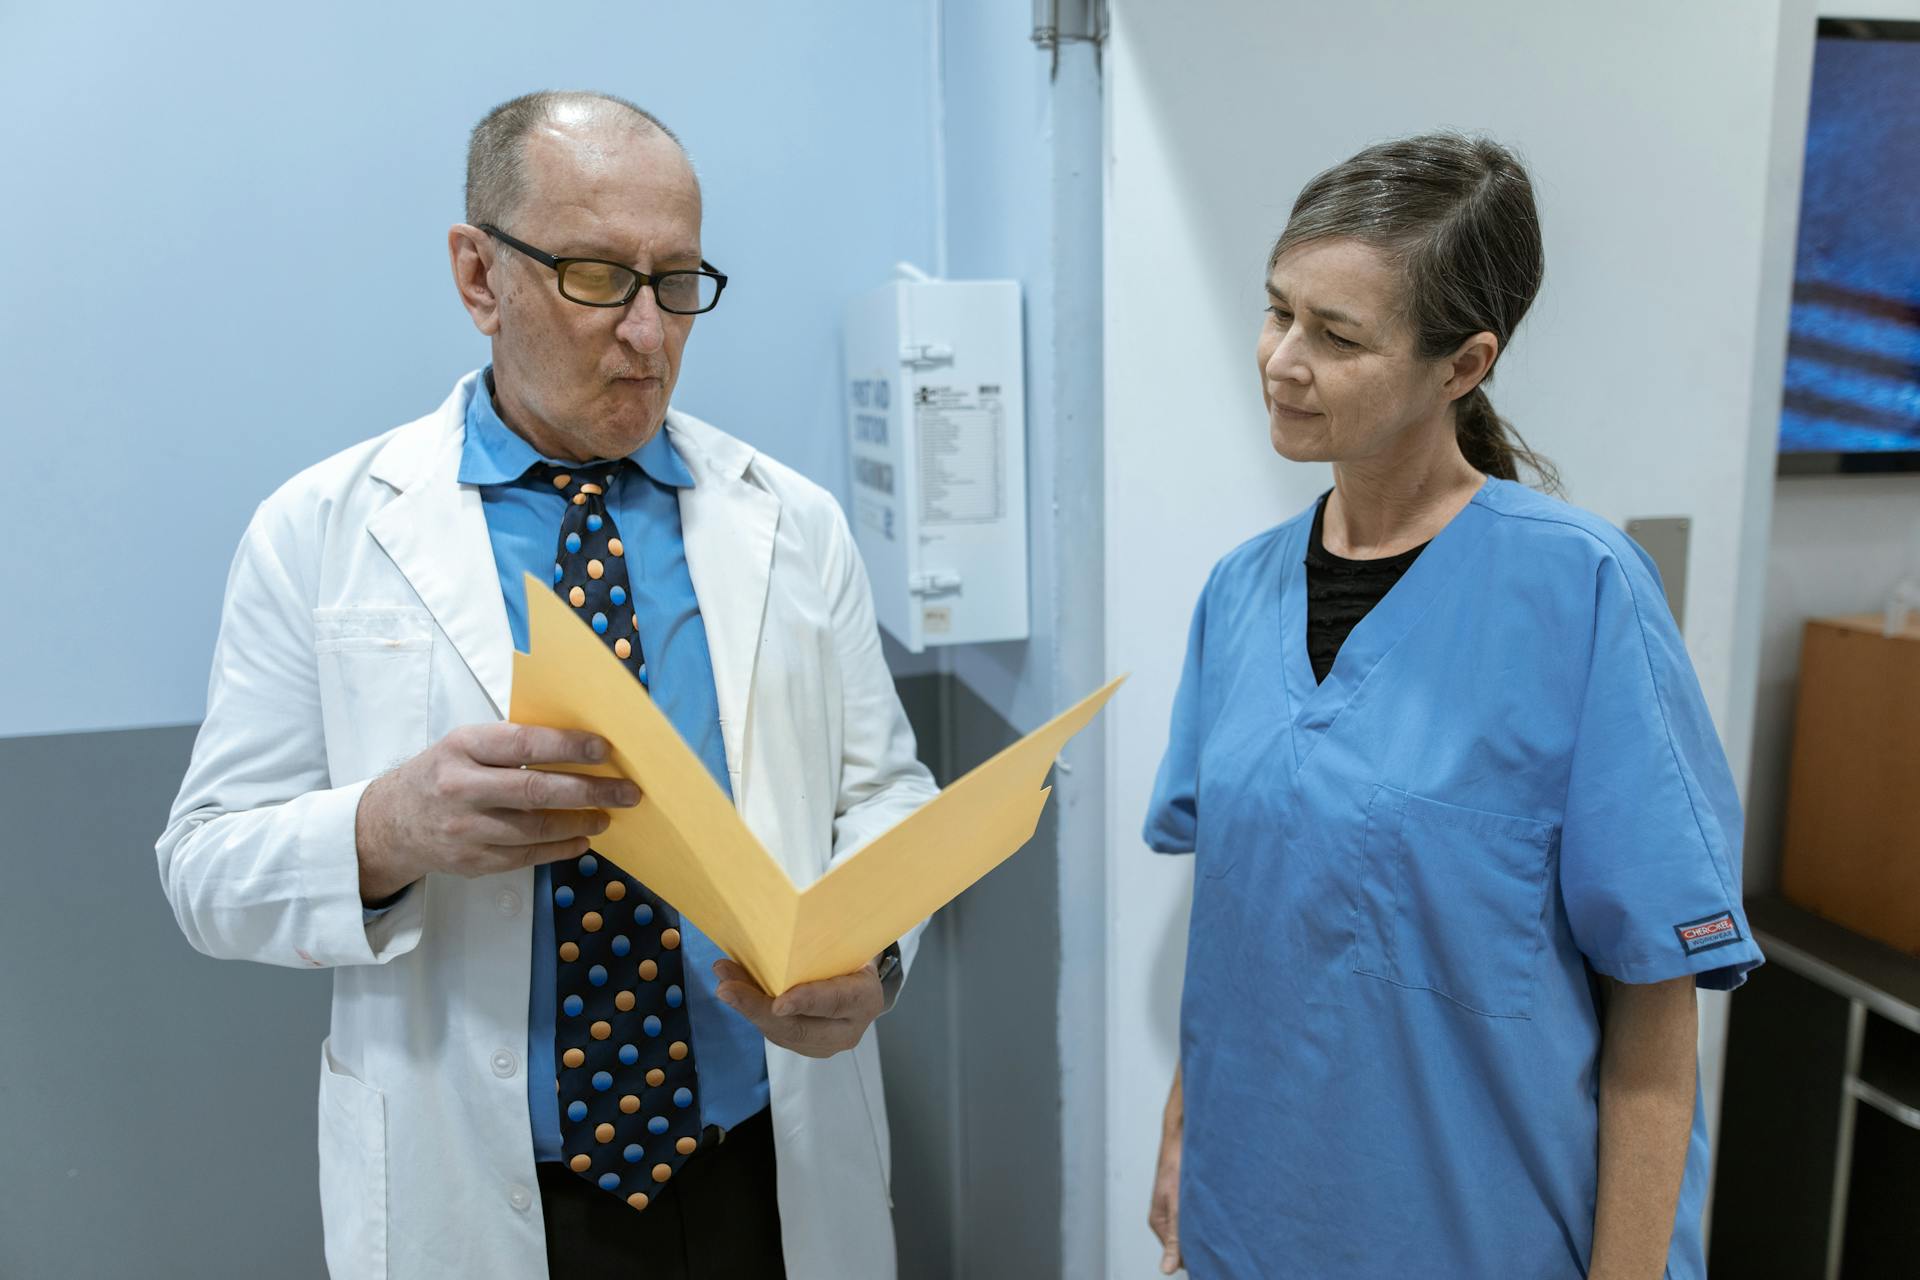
(496, 158)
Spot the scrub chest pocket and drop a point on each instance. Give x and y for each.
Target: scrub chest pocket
(1453, 901)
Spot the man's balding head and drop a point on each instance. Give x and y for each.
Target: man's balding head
(497, 173)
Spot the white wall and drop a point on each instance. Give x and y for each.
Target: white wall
(223, 258)
(1663, 143)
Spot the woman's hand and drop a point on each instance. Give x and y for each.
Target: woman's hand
(1164, 1214)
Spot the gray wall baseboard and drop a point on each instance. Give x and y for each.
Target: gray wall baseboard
(971, 1053)
(157, 1106)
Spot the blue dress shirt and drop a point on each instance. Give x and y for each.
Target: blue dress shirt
(523, 523)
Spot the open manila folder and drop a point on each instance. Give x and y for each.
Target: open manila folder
(685, 842)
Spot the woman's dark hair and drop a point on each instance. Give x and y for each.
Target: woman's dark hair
(1456, 214)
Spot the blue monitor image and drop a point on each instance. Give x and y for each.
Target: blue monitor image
(1851, 400)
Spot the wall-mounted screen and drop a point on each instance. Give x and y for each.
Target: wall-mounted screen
(1851, 402)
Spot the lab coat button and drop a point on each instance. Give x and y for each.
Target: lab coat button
(509, 903)
(504, 1063)
(520, 1198)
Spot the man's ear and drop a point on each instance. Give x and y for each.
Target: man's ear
(470, 250)
(1470, 364)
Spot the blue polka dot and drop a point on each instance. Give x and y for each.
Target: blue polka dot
(609, 1182)
(633, 1153)
(593, 524)
(629, 1054)
(620, 944)
(603, 1080)
(563, 896)
(643, 914)
(597, 975)
(588, 865)
(599, 624)
(642, 673)
(573, 542)
(558, 573)
(619, 595)
(657, 1125)
(674, 997)
(576, 1111)
(683, 1097)
(573, 1005)
(651, 1026)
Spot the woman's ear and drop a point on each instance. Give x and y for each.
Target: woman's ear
(1470, 364)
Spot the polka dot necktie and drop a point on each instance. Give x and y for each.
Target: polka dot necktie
(622, 1038)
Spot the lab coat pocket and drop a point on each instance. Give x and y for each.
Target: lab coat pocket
(1453, 901)
(375, 668)
(353, 1172)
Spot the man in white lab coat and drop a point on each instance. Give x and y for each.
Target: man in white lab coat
(356, 801)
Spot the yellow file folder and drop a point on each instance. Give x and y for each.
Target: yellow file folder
(685, 842)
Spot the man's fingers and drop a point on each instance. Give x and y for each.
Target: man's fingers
(530, 855)
(1170, 1257)
(545, 826)
(509, 746)
(845, 997)
(531, 790)
(741, 993)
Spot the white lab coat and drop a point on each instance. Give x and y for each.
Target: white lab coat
(363, 621)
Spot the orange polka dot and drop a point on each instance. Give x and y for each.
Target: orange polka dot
(617, 547)
(569, 951)
(636, 622)
(580, 1163)
(649, 971)
(603, 1134)
(561, 482)
(577, 597)
(624, 1002)
(661, 1173)
(590, 922)
(579, 499)
(656, 1077)
(670, 939)
(595, 569)
(686, 1146)
(573, 1057)
(616, 890)
(601, 1030)
(630, 1103)
(637, 1200)
(622, 650)
(677, 1050)
(591, 488)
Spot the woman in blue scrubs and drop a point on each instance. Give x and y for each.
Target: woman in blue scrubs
(1466, 840)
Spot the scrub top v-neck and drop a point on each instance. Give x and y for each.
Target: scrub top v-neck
(1406, 877)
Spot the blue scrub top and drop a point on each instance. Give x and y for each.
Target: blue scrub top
(1406, 876)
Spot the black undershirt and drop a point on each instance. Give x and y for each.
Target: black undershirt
(1340, 592)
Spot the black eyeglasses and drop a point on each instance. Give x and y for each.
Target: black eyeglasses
(595, 282)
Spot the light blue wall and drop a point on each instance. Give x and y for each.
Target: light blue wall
(222, 258)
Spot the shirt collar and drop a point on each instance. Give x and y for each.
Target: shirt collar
(495, 453)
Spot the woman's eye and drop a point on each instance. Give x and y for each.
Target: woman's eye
(1284, 317)
(1342, 344)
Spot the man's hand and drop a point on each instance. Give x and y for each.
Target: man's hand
(818, 1019)
(468, 806)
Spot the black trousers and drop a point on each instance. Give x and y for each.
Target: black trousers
(719, 1216)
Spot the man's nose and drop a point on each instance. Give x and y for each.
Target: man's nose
(643, 327)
